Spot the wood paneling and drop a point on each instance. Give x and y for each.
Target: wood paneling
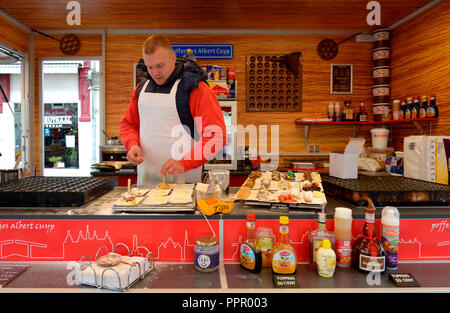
(212, 14)
(14, 36)
(123, 51)
(91, 46)
(421, 64)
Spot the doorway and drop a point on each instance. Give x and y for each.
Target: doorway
(70, 116)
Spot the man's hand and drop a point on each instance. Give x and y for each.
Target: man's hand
(172, 167)
(134, 155)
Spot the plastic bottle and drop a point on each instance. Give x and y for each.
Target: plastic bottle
(326, 260)
(316, 236)
(284, 260)
(390, 229)
(249, 256)
(343, 233)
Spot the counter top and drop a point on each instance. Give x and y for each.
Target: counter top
(102, 208)
(54, 276)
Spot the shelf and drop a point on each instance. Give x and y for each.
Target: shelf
(357, 125)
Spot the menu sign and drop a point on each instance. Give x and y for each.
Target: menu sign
(341, 79)
(9, 272)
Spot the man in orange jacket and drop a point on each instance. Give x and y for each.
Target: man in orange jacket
(174, 123)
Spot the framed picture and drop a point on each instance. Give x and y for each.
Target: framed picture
(341, 79)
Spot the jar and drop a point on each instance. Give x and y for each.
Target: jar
(206, 254)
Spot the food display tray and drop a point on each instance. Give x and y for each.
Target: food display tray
(383, 190)
(40, 191)
(142, 207)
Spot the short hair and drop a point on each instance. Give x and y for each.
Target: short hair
(155, 41)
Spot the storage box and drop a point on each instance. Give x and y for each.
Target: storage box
(345, 164)
(426, 158)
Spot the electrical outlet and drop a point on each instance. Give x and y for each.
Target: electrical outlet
(317, 149)
(311, 148)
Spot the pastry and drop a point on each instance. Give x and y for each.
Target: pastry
(249, 183)
(308, 196)
(255, 174)
(137, 192)
(109, 259)
(263, 194)
(127, 199)
(276, 175)
(164, 186)
(159, 192)
(243, 193)
(306, 176)
(284, 184)
(180, 198)
(156, 200)
(265, 183)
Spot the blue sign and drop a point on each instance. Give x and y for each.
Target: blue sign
(46, 132)
(205, 51)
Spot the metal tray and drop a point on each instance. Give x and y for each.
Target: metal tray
(160, 208)
(40, 191)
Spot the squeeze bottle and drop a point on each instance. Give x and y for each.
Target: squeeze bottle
(390, 229)
(326, 260)
(343, 233)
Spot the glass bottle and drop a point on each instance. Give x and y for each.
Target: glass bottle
(362, 114)
(337, 112)
(368, 253)
(316, 236)
(349, 114)
(250, 257)
(402, 109)
(408, 108)
(423, 107)
(432, 110)
(206, 254)
(415, 108)
(284, 259)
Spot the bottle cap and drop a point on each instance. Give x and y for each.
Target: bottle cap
(284, 220)
(342, 212)
(251, 216)
(326, 244)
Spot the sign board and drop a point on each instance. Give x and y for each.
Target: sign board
(341, 79)
(57, 121)
(205, 51)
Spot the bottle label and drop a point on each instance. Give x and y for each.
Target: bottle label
(247, 257)
(370, 217)
(251, 224)
(343, 252)
(284, 229)
(326, 265)
(371, 264)
(430, 112)
(284, 262)
(422, 113)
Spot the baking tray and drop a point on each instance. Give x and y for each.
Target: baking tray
(384, 190)
(141, 207)
(40, 191)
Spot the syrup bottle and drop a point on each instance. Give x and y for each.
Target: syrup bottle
(250, 257)
(432, 110)
(368, 253)
(423, 107)
(284, 259)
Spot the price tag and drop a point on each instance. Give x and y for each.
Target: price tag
(403, 280)
(279, 207)
(285, 281)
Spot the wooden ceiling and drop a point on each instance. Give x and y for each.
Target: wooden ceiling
(319, 15)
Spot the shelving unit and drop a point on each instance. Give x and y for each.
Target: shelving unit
(357, 125)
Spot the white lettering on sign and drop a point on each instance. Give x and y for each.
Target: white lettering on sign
(74, 16)
(21, 226)
(440, 227)
(374, 16)
(57, 120)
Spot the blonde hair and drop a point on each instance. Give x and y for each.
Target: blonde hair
(155, 41)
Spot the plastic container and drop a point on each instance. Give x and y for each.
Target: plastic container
(343, 232)
(316, 237)
(381, 56)
(381, 93)
(284, 259)
(381, 38)
(390, 230)
(381, 75)
(206, 254)
(379, 138)
(249, 255)
(326, 260)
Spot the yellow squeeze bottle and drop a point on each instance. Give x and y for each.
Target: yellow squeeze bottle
(284, 259)
(326, 260)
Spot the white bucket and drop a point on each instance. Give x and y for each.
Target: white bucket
(379, 138)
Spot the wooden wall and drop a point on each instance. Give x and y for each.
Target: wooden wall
(421, 64)
(123, 51)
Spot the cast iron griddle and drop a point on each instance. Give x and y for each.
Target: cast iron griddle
(39, 191)
(386, 190)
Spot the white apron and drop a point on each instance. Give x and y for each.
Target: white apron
(159, 119)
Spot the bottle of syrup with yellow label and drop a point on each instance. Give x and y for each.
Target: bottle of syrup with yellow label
(284, 259)
(250, 257)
